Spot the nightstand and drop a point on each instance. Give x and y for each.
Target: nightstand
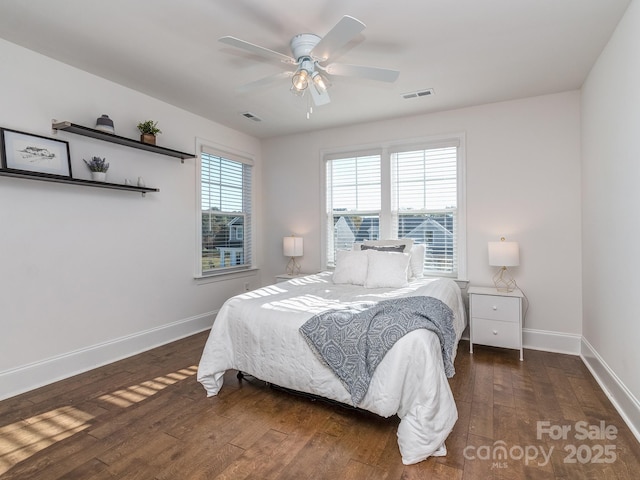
(495, 318)
(283, 277)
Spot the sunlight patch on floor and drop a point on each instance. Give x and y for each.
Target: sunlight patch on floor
(20, 440)
(136, 393)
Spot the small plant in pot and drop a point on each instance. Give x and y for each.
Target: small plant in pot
(98, 167)
(148, 131)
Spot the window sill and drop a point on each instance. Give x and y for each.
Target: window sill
(223, 276)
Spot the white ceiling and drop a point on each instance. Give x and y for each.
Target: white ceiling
(469, 51)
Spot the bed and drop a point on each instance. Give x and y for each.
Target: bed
(258, 333)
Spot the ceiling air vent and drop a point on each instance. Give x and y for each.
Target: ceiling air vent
(420, 93)
(251, 116)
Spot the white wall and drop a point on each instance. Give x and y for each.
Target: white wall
(89, 274)
(611, 212)
(523, 182)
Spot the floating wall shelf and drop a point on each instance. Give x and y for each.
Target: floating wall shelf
(74, 181)
(117, 139)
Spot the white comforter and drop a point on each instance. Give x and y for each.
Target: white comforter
(257, 333)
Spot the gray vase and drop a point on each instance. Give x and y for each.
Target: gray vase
(105, 124)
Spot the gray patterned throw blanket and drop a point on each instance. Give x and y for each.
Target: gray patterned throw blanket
(353, 341)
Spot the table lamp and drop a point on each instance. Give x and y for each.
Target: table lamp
(504, 254)
(293, 247)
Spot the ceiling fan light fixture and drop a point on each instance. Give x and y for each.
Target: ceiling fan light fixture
(319, 82)
(300, 81)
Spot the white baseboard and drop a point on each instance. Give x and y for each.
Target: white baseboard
(548, 341)
(28, 377)
(623, 400)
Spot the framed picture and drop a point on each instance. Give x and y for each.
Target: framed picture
(33, 153)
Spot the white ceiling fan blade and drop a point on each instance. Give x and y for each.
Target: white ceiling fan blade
(342, 32)
(263, 82)
(361, 71)
(319, 98)
(257, 49)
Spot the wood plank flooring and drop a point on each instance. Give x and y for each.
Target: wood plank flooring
(147, 418)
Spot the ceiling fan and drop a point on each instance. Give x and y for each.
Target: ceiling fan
(310, 54)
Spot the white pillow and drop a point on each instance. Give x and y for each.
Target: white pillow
(387, 269)
(416, 264)
(351, 267)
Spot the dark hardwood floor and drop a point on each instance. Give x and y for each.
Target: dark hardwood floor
(147, 418)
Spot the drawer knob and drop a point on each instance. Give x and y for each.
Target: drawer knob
(495, 332)
(494, 307)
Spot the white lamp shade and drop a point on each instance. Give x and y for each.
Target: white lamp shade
(292, 246)
(504, 254)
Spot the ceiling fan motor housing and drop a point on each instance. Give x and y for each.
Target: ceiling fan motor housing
(302, 45)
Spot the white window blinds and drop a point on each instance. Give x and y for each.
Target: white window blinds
(412, 190)
(353, 201)
(225, 186)
(424, 196)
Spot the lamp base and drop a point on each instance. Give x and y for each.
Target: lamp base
(293, 267)
(503, 281)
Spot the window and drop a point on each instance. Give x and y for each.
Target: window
(413, 191)
(225, 207)
(353, 201)
(425, 199)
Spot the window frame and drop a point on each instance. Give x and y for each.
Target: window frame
(387, 230)
(221, 151)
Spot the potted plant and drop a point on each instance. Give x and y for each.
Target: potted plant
(148, 131)
(98, 167)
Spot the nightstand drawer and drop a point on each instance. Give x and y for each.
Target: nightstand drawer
(495, 333)
(493, 307)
